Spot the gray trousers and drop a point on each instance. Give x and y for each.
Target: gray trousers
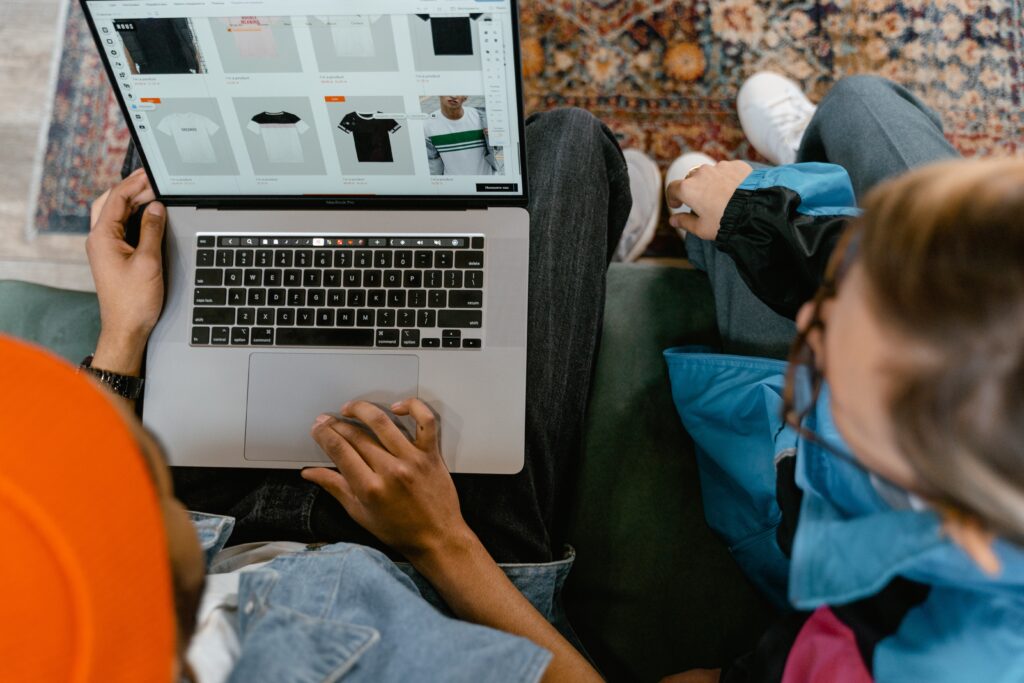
(874, 129)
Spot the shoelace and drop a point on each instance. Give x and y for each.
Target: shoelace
(790, 115)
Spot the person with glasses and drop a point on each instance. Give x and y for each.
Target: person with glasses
(873, 486)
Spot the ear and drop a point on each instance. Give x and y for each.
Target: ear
(803, 321)
(968, 532)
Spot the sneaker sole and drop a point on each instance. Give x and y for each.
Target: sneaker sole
(650, 168)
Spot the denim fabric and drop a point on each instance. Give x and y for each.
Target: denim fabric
(213, 532)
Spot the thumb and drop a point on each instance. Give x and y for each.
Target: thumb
(151, 232)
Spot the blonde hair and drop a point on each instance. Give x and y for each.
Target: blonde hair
(943, 251)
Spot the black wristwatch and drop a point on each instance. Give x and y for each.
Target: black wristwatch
(122, 385)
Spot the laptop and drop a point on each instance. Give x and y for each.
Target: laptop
(346, 193)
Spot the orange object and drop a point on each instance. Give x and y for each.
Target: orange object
(85, 582)
(151, 100)
(334, 98)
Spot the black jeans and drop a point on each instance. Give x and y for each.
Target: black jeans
(579, 201)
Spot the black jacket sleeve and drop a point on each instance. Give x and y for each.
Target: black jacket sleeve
(781, 254)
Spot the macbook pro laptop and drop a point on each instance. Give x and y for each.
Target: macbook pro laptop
(346, 192)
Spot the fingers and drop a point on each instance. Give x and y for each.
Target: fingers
(97, 208)
(426, 421)
(685, 221)
(351, 465)
(672, 194)
(151, 234)
(124, 198)
(380, 424)
(333, 483)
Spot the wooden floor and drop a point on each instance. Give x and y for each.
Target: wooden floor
(28, 34)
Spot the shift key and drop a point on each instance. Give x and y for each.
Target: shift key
(213, 316)
(463, 318)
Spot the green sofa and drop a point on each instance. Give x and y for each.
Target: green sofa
(653, 591)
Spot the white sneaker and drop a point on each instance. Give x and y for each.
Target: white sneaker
(645, 186)
(774, 113)
(679, 169)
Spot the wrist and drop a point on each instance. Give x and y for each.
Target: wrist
(457, 549)
(120, 352)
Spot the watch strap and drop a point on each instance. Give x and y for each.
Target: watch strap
(126, 387)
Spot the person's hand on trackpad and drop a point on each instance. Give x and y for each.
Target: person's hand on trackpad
(398, 489)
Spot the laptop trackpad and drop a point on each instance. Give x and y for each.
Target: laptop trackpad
(288, 390)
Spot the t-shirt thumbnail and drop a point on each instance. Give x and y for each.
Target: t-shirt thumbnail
(452, 36)
(461, 143)
(280, 132)
(352, 35)
(371, 136)
(191, 133)
(160, 46)
(254, 37)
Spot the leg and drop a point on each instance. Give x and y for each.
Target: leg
(874, 129)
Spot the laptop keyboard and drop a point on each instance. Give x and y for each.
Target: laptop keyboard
(375, 291)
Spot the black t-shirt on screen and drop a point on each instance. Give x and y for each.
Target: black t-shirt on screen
(453, 36)
(371, 136)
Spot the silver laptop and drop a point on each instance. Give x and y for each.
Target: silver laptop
(346, 192)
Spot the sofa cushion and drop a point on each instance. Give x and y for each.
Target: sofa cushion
(67, 323)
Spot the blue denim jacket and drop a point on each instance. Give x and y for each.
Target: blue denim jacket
(345, 611)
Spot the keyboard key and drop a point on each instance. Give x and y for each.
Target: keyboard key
(403, 259)
(363, 259)
(227, 241)
(372, 278)
(325, 317)
(285, 316)
(386, 317)
(443, 259)
(220, 336)
(410, 338)
(261, 336)
(265, 316)
(257, 297)
(283, 258)
(433, 279)
(253, 277)
(272, 277)
(466, 299)
(452, 279)
(303, 258)
(407, 318)
(210, 277)
(469, 259)
(460, 318)
(293, 278)
(417, 298)
(332, 278)
(387, 338)
(474, 279)
(210, 297)
(396, 298)
(431, 343)
(412, 278)
(246, 316)
(236, 297)
(305, 317)
(392, 278)
(264, 258)
(353, 278)
(296, 297)
(426, 318)
(200, 335)
(437, 298)
(204, 258)
(342, 258)
(312, 278)
(471, 343)
(240, 336)
(382, 258)
(423, 259)
(346, 317)
(244, 258)
(276, 297)
(376, 298)
(225, 258)
(356, 297)
(206, 241)
(478, 242)
(451, 334)
(365, 317)
(233, 278)
(324, 336)
(316, 297)
(322, 258)
(451, 343)
(335, 297)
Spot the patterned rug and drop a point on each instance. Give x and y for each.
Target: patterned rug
(664, 75)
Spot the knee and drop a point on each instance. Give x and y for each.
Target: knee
(860, 88)
(570, 123)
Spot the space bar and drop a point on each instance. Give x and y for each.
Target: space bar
(295, 336)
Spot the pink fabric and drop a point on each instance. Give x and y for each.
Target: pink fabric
(825, 651)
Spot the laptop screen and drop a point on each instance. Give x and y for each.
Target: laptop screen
(319, 98)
